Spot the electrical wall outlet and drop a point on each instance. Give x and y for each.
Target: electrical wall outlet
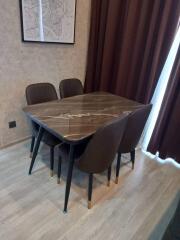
(12, 124)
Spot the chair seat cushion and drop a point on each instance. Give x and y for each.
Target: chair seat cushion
(48, 138)
(64, 150)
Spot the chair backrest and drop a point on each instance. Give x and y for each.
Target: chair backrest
(102, 147)
(134, 129)
(40, 92)
(70, 87)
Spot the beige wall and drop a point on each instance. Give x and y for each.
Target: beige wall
(25, 63)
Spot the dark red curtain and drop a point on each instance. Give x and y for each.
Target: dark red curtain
(129, 42)
(166, 135)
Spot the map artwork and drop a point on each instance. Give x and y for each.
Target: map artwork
(48, 20)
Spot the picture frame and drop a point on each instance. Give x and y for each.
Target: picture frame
(47, 21)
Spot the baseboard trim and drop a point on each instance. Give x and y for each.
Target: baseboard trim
(15, 142)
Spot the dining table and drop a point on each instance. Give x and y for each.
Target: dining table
(74, 119)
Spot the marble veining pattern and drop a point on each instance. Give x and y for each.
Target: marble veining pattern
(78, 117)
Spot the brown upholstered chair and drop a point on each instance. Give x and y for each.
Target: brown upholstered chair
(132, 134)
(96, 155)
(39, 93)
(70, 87)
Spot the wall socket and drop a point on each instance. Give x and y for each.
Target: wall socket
(12, 124)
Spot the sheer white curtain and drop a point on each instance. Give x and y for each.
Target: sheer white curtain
(159, 92)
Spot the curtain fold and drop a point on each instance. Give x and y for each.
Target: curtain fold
(129, 43)
(166, 134)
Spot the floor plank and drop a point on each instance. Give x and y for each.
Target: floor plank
(139, 207)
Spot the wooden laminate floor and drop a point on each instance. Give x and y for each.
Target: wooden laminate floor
(139, 207)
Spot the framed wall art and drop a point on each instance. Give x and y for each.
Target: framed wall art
(48, 21)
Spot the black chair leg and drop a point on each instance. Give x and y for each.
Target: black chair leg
(36, 148)
(118, 167)
(59, 170)
(32, 145)
(133, 158)
(51, 161)
(109, 176)
(90, 190)
(69, 177)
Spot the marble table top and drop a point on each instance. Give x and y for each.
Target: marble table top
(75, 118)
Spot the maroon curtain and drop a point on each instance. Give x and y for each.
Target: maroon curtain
(166, 135)
(129, 42)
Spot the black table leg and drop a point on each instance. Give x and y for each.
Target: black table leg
(118, 167)
(69, 177)
(59, 170)
(132, 158)
(51, 161)
(36, 148)
(109, 176)
(32, 145)
(90, 190)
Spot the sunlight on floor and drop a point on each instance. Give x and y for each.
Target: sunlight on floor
(162, 161)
